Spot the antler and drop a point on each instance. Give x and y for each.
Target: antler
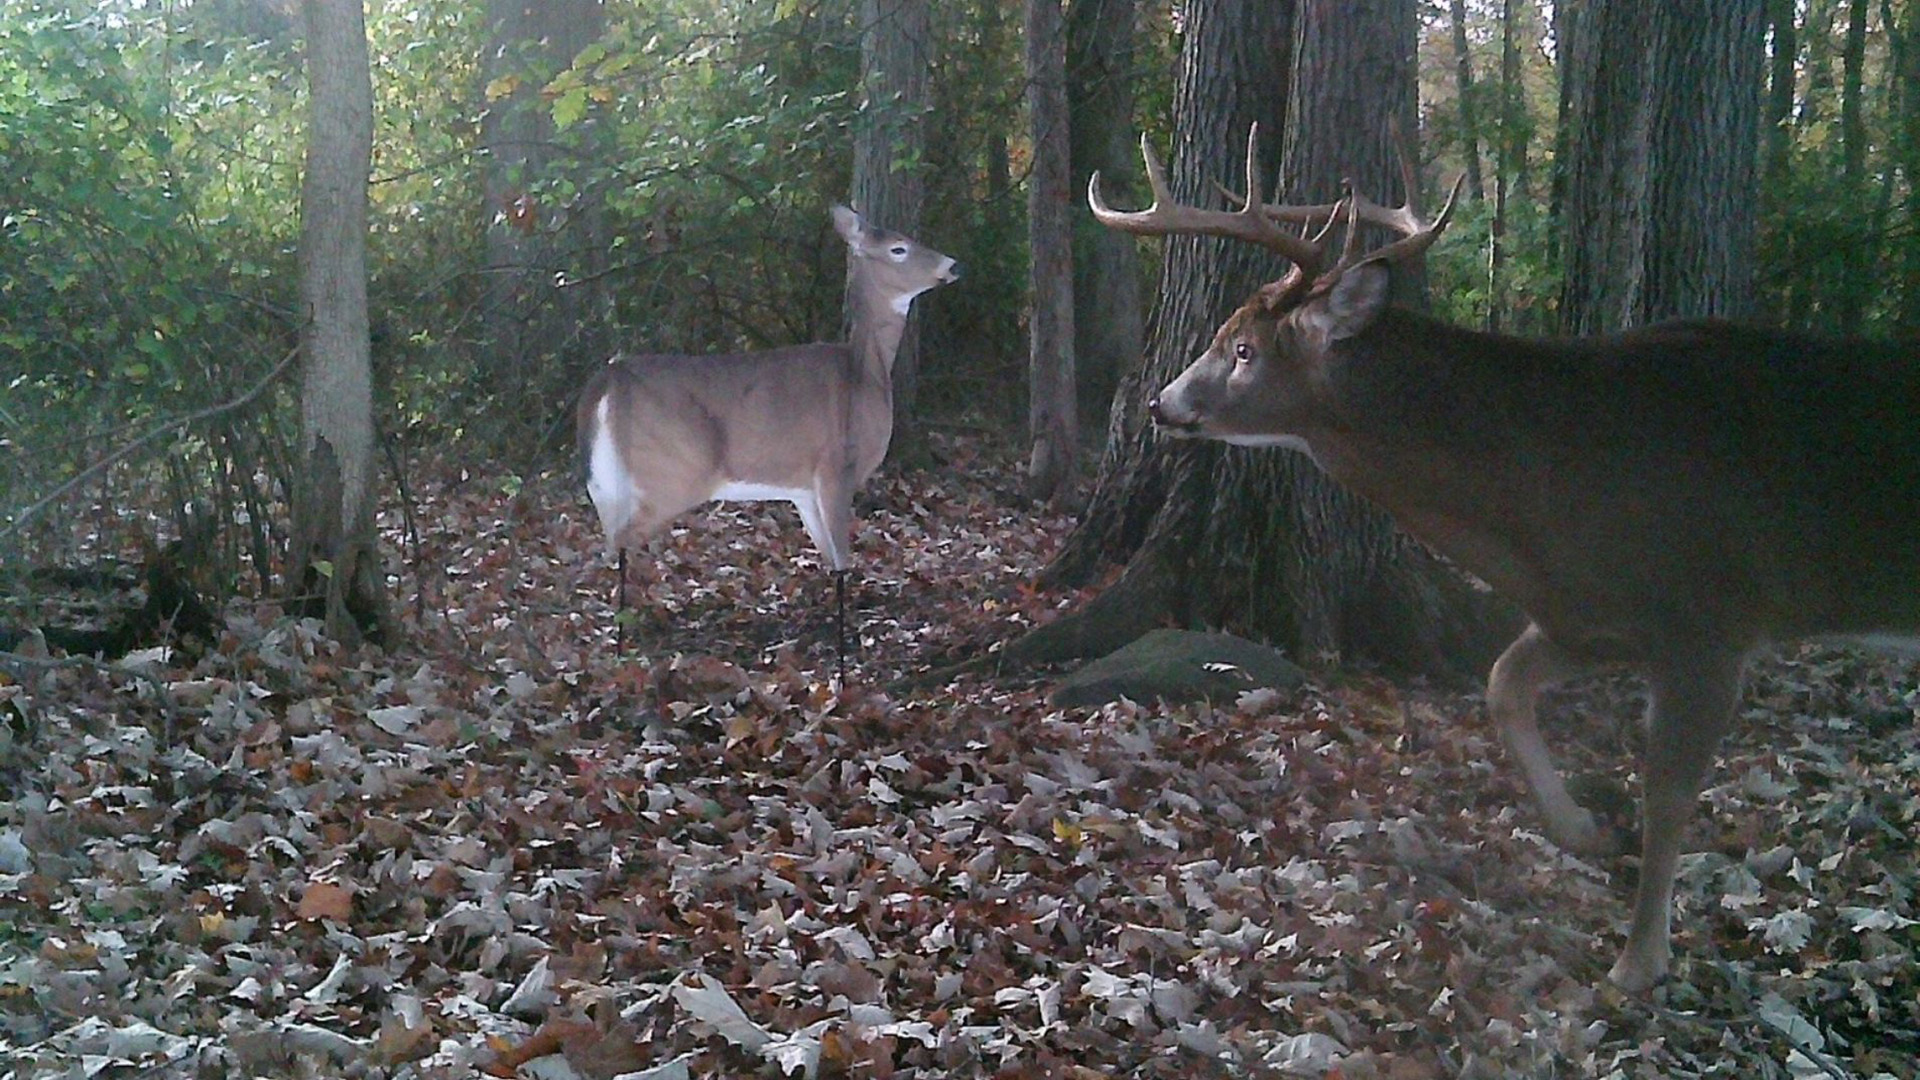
(1417, 234)
(1253, 221)
(1167, 216)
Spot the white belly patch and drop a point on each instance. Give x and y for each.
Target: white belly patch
(748, 491)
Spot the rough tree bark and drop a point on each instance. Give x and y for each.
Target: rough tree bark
(889, 142)
(529, 322)
(1052, 426)
(1662, 150)
(1703, 159)
(1259, 541)
(1109, 313)
(334, 549)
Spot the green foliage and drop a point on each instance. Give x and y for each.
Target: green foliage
(139, 263)
(1835, 250)
(1527, 294)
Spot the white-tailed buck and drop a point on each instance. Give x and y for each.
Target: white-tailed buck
(1670, 498)
(806, 424)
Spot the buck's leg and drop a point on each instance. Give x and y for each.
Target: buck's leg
(1530, 664)
(1692, 706)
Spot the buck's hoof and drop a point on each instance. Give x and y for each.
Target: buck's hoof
(1637, 975)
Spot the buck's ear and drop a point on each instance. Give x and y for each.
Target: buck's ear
(847, 223)
(1355, 299)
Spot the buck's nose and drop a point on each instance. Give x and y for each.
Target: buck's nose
(1153, 410)
(953, 273)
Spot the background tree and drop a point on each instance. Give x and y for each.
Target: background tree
(334, 547)
(889, 156)
(1905, 40)
(1109, 313)
(543, 226)
(1053, 430)
(1495, 266)
(1468, 107)
(1152, 496)
(1662, 158)
(1853, 158)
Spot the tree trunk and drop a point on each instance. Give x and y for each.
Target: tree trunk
(528, 321)
(1503, 166)
(1255, 540)
(1463, 86)
(1566, 36)
(1604, 149)
(1907, 58)
(1516, 123)
(1780, 88)
(1662, 148)
(334, 547)
(1356, 584)
(1859, 269)
(889, 143)
(1703, 159)
(1109, 313)
(1052, 427)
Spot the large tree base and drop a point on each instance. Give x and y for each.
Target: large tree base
(1318, 573)
(335, 574)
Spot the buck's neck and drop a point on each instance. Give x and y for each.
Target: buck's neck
(878, 323)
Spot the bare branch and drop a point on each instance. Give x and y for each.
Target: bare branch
(20, 520)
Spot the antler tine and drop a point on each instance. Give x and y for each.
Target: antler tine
(1417, 234)
(1167, 216)
(1409, 165)
(1353, 202)
(1135, 220)
(1253, 189)
(1422, 236)
(1156, 175)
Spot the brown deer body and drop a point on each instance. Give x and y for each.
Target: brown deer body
(809, 424)
(1672, 498)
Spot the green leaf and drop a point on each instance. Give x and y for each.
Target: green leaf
(569, 107)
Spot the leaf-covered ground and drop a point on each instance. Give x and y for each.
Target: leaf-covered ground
(507, 849)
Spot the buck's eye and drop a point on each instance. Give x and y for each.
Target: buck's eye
(1242, 351)
(898, 251)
